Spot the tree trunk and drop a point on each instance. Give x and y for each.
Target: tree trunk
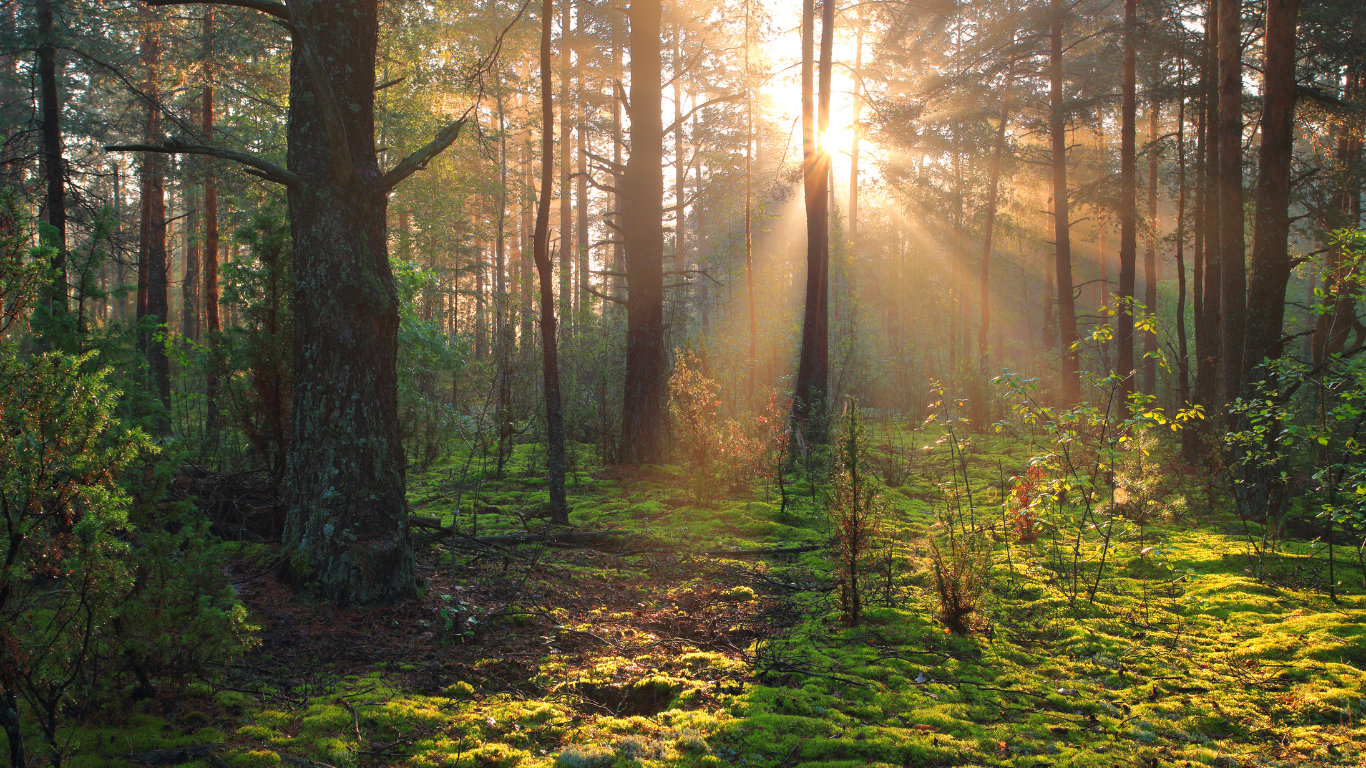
(53, 166)
(347, 529)
(813, 369)
(1207, 367)
(984, 285)
(1067, 315)
(210, 242)
(1233, 293)
(554, 416)
(753, 361)
(1150, 256)
(1128, 210)
(189, 288)
(1270, 251)
(642, 208)
(153, 302)
(567, 250)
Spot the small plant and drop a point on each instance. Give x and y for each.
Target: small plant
(855, 510)
(1022, 502)
(962, 572)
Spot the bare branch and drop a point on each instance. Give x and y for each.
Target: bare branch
(732, 97)
(604, 296)
(255, 165)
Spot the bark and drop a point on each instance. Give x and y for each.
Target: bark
(1207, 368)
(753, 361)
(554, 417)
(53, 165)
(527, 237)
(153, 303)
(642, 208)
(584, 300)
(1067, 315)
(347, 531)
(1233, 288)
(10, 723)
(680, 160)
(852, 227)
(984, 285)
(189, 287)
(813, 370)
(1128, 210)
(1150, 256)
(567, 251)
(1270, 248)
(210, 240)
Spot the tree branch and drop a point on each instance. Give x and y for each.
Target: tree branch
(255, 165)
(419, 159)
(272, 7)
(693, 111)
(604, 296)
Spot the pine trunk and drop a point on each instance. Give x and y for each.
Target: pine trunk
(1067, 314)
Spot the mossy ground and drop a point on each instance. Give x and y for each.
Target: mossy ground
(574, 657)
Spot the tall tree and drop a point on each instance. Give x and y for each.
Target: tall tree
(567, 250)
(988, 229)
(1062, 238)
(813, 368)
(52, 163)
(1150, 251)
(1128, 207)
(550, 368)
(1270, 252)
(347, 530)
(154, 303)
(211, 322)
(1207, 366)
(642, 217)
(1233, 291)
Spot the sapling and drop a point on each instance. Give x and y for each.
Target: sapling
(855, 509)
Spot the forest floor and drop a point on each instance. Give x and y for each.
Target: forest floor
(676, 653)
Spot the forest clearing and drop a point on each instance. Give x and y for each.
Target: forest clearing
(640, 383)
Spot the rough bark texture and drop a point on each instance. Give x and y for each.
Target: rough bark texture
(1270, 252)
(211, 323)
(52, 165)
(1128, 210)
(347, 528)
(1067, 314)
(153, 300)
(642, 207)
(1233, 289)
(810, 405)
(550, 368)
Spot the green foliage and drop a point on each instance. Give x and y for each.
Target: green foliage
(430, 423)
(855, 509)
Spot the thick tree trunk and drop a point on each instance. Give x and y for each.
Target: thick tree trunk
(53, 166)
(810, 409)
(642, 207)
(347, 528)
(1067, 314)
(1150, 256)
(550, 370)
(1128, 209)
(1270, 251)
(1233, 290)
(1207, 367)
(153, 301)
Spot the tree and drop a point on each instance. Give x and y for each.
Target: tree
(642, 217)
(1062, 238)
(813, 368)
(1233, 288)
(1128, 208)
(554, 416)
(347, 529)
(1270, 253)
(53, 164)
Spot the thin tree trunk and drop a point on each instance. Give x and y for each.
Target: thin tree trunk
(567, 250)
(984, 285)
(554, 416)
(1207, 368)
(211, 373)
(852, 228)
(1067, 316)
(1233, 293)
(1270, 252)
(749, 203)
(643, 221)
(1150, 256)
(153, 300)
(1128, 209)
(584, 300)
(189, 288)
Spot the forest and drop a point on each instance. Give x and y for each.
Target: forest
(772, 383)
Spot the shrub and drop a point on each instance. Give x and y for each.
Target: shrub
(855, 510)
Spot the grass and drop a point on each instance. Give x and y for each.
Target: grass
(670, 658)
